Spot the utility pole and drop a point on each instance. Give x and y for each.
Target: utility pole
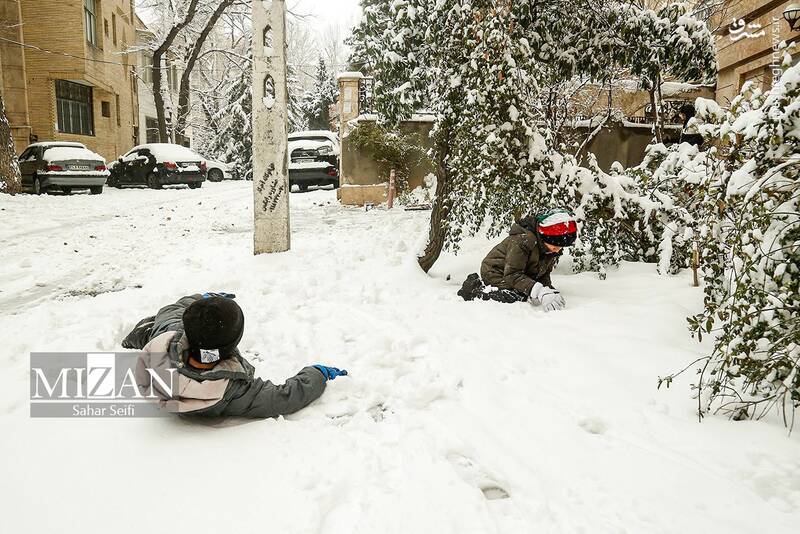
(270, 128)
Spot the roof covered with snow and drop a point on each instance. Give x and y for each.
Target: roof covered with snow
(170, 152)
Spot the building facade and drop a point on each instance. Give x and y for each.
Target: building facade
(746, 40)
(67, 74)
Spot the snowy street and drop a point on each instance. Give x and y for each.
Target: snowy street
(456, 417)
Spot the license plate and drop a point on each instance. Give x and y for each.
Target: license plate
(304, 160)
(79, 167)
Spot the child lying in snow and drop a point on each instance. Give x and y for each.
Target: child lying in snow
(519, 268)
(197, 336)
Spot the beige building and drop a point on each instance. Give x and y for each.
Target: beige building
(66, 75)
(749, 29)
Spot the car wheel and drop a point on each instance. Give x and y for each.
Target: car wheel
(303, 187)
(38, 188)
(113, 181)
(67, 190)
(97, 190)
(195, 185)
(153, 182)
(215, 175)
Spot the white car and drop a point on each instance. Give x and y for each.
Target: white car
(218, 171)
(63, 166)
(313, 159)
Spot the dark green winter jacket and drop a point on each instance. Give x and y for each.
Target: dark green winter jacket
(519, 261)
(228, 389)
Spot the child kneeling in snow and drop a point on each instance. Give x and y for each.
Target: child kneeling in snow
(518, 269)
(197, 338)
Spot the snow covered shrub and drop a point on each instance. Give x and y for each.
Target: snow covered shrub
(614, 212)
(750, 241)
(391, 149)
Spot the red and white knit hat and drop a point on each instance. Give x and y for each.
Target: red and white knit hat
(557, 227)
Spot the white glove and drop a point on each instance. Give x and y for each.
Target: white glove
(549, 298)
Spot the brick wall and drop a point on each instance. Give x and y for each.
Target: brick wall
(59, 26)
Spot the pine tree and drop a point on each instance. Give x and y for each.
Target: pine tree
(233, 139)
(317, 101)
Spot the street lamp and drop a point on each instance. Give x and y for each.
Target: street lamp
(792, 16)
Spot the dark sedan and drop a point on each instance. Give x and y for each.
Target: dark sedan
(158, 164)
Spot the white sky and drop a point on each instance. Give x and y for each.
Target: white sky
(325, 12)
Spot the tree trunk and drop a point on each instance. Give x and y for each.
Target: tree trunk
(9, 165)
(655, 102)
(158, 55)
(441, 209)
(191, 60)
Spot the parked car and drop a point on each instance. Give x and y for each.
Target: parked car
(313, 159)
(218, 171)
(158, 164)
(62, 166)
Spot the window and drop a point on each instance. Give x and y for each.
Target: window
(90, 20)
(172, 77)
(151, 130)
(74, 108)
(105, 108)
(29, 154)
(105, 27)
(116, 107)
(114, 28)
(147, 68)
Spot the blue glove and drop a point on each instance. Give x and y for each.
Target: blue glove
(330, 372)
(223, 295)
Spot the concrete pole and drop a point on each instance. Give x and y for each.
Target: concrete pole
(270, 128)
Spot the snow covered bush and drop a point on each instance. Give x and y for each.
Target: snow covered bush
(751, 255)
(391, 149)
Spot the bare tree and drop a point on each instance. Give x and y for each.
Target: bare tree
(192, 54)
(159, 54)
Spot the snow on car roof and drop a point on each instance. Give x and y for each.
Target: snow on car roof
(315, 133)
(170, 152)
(62, 153)
(58, 143)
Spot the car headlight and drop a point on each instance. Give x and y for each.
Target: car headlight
(324, 150)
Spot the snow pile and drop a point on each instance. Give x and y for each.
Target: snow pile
(456, 417)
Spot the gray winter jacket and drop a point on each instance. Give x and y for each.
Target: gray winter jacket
(228, 389)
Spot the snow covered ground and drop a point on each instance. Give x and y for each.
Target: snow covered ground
(457, 417)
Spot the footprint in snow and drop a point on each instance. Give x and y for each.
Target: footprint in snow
(593, 425)
(473, 474)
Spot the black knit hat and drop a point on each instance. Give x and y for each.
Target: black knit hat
(214, 323)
